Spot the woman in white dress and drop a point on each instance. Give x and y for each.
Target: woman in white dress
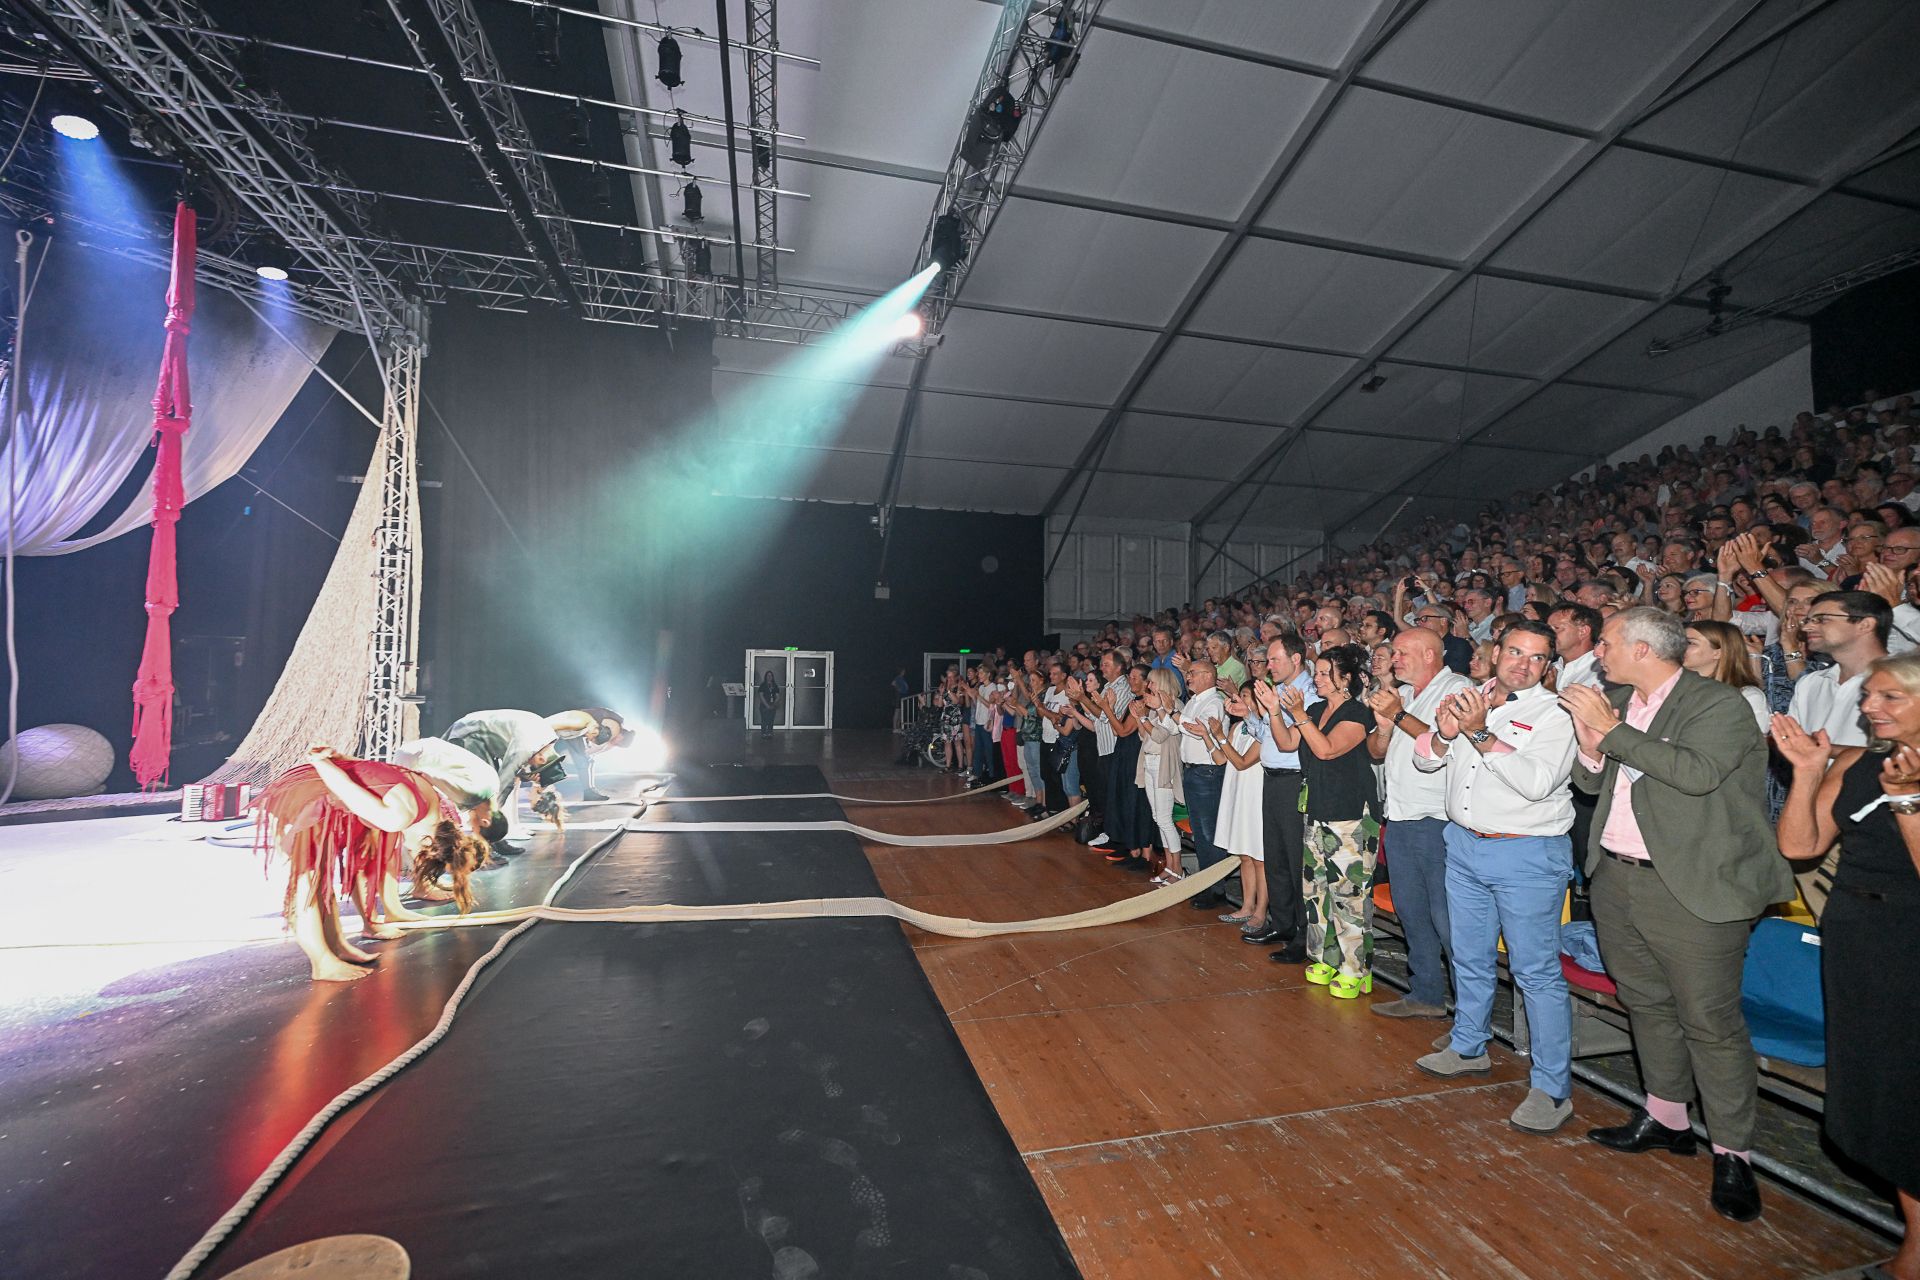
(1239, 828)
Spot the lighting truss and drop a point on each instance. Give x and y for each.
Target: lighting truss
(526, 189)
(1024, 58)
(393, 663)
(1832, 287)
(763, 38)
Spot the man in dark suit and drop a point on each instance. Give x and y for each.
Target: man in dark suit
(1682, 862)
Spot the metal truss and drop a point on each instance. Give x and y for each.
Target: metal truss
(1025, 60)
(499, 137)
(1831, 287)
(393, 653)
(763, 39)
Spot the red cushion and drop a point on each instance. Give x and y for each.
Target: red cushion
(1586, 979)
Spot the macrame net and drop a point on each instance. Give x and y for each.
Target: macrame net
(321, 696)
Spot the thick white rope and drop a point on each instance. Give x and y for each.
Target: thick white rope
(232, 1218)
(1010, 835)
(988, 789)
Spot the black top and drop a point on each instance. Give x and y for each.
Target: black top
(1873, 855)
(1341, 789)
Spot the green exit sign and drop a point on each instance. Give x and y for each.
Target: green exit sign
(793, 648)
(966, 651)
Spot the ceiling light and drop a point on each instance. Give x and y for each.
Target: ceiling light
(271, 273)
(999, 116)
(702, 258)
(623, 252)
(910, 326)
(602, 188)
(681, 139)
(546, 36)
(1060, 41)
(949, 242)
(691, 198)
(579, 124)
(668, 53)
(79, 128)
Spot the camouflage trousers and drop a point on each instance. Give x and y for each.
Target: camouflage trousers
(1337, 888)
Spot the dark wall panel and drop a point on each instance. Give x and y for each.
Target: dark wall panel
(1868, 340)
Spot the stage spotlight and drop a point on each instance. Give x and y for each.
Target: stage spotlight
(579, 124)
(691, 198)
(668, 53)
(1374, 383)
(79, 128)
(702, 258)
(546, 36)
(624, 255)
(999, 116)
(1060, 41)
(602, 188)
(949, 243)
(681, 139)
(270, 272)
(910, 326)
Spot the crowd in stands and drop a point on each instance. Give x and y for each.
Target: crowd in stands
(1670, 683)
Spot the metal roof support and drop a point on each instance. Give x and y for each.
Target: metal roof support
(1832, 287)
(1730, 16)
(763, 123)
(447, 38)
(1872, 150)
(1378, 28)
(1279, 456)
(897, 461)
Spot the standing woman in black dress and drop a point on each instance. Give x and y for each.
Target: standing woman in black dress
(766, 698)
(1869, 800)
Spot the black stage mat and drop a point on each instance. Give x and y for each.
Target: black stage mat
(727, 1099)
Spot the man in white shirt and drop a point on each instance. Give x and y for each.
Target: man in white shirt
(1479, 607)
(1282, 834)
(1828, 525)
(1416, 817)
(1507, 750)
(1201, 779)
(1575, 627)
(1851, 627)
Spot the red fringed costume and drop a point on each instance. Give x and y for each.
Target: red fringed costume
(325, 836)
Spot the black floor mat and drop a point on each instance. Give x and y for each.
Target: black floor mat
(755, 1099)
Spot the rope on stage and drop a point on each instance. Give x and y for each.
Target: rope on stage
(844, 799)
(1010, 835)
(1133, 908)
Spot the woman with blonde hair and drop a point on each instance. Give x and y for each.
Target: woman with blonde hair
(1158, 771)
(1718, 651)
(1869, 799)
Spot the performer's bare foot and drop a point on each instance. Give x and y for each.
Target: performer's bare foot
(427, 891)
(334, 969)
(383, 932)
(347, 951)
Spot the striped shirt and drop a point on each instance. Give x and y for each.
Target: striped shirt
(1120, 693)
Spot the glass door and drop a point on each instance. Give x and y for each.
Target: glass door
(803, 684)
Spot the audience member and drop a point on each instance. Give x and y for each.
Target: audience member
(1200, 776)
(1282, 833)
(1237, 829)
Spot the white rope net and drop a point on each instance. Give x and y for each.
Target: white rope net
(321, 696)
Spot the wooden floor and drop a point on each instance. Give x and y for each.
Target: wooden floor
(1190, 1109)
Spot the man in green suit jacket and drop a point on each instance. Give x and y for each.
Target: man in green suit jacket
(1682, 861)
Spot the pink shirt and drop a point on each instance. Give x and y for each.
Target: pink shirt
(1622, 833)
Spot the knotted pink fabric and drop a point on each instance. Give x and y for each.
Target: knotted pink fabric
(172, 415)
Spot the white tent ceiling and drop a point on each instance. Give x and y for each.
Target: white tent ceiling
(1237, 212)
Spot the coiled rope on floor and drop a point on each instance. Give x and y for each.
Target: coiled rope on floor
(1008, 835)
(987, 789)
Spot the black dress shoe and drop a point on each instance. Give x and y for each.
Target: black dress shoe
(1268, 935)
(1736, 1194)
(1208, 901)
(1293, 953)
(1644, 1133)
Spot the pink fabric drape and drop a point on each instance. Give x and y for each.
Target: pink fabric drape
(172, 415)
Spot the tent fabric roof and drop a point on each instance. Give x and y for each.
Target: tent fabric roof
(1236, 214)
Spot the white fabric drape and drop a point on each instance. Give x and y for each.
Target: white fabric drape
(93, 340)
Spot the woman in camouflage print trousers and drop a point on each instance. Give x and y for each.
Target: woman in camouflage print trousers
(1338, 890)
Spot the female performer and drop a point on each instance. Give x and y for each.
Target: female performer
(343, 825)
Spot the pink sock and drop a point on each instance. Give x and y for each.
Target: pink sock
(1738, 1155)
(1672, 1115)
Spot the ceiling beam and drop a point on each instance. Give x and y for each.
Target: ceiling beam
(1729, 16)
(1892, 134)
(1364, 47)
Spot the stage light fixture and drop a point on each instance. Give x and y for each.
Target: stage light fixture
(668, 54)
(910, 326)
(1060, 40)
(602, 188)
(579, 124)
(949, 243)
(546, 36)
(691, 203)
(623, 252)
(1375, 382)
(681, 139)
(702, 258)
(270, 272)
(79, 128)
(762, 153)
(999, 116)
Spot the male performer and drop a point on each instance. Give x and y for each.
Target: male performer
(1682, 862)
(584, 734)
(521, 747)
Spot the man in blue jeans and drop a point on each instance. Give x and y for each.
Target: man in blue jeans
(1507, 751)
(1201, 779)
(1416, 817)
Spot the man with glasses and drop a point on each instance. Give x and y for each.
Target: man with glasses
(1899, 556)
(1851, 627)
(1438, 618)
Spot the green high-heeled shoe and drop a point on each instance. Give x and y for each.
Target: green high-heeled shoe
(1348, 987)
(1321, 974)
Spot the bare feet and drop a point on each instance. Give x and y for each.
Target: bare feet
(383, 931)
(347, 951)
(333, 969)
(427, 891)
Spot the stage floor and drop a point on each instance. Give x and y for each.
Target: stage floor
(1184, 1107)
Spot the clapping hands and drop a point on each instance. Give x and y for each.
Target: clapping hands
(1799, 748)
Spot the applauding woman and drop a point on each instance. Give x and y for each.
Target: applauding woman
(1869, 799)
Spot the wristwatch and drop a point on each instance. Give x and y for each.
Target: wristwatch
(1479, 736)
(1905, 807)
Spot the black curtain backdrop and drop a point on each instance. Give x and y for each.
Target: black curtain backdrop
(611, 572)
(1868, 340)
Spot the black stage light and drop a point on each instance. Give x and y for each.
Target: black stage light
(546, 36)
(602, 188)
(702, 258)
(999, 116)
(949, 245)
(762, 153)
(1060, 40)
(691, 196)
(623, 252)
(681, 139)
(579, 124)
(668, 52)
(250, 60)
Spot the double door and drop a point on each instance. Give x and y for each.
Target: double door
(805, 680)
